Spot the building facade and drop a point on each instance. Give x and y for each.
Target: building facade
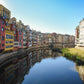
(15, 35)
(19, 33)
(24, 37)
(9, 35)
(2, 34)
(13, 28)
(29, 36)
(79, 34)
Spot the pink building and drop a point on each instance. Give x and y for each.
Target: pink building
(2, 34)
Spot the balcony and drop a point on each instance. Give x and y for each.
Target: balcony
(16, 44)
(5, 16)
(7, 24)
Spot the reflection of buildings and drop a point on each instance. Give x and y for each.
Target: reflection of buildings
(7, 75)
(13, 73)
(80, 69)
(22, 69)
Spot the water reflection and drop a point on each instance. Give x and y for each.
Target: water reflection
(14, 72)
(80, 69)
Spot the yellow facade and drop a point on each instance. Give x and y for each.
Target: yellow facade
(7, 26)
(5, 14)
(9, 35)
(9, 40)
(50, 35)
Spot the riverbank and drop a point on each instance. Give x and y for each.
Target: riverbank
(73, 53)
(5, 58)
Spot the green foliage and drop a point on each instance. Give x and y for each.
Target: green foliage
(72, 54)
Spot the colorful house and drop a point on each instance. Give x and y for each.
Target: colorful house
(9, 35)
(19, 33)
(29, 36)
(24, 37)
(9, 40)
(2, 34)
(13, 28)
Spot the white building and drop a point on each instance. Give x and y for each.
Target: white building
(81, 33)
(29, 37)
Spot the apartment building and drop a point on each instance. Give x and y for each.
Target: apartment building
(39, 38)
(9, 35)
(19, 33)
(29, 36)
(24, 37)
(34, 38)
(15, 35)
(59, 38)
(2, 33)
(49, 38)
(9, 40)
(13, 28)
(79, 34)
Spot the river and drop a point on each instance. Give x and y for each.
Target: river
(42, 67)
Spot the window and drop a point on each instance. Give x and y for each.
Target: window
(14, 26)
(2, 45)
(14, 38)
(14, 32)
(20, 44)
(15, 43)
(2, 38)
(7, 41)
(24, 39)
(2, 29)
(7, 24)
(11, 41)
(3, 22)
(20, 33)
(20, 38)
(9, 46)
(9, 36)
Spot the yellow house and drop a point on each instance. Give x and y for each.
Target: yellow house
(9, 40)
(49, 35)
(5, 14)
(9, 35)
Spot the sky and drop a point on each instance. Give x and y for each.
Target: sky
(60, 16)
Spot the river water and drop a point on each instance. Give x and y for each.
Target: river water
(42, 67)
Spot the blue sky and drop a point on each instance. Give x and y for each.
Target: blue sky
(60, 16)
